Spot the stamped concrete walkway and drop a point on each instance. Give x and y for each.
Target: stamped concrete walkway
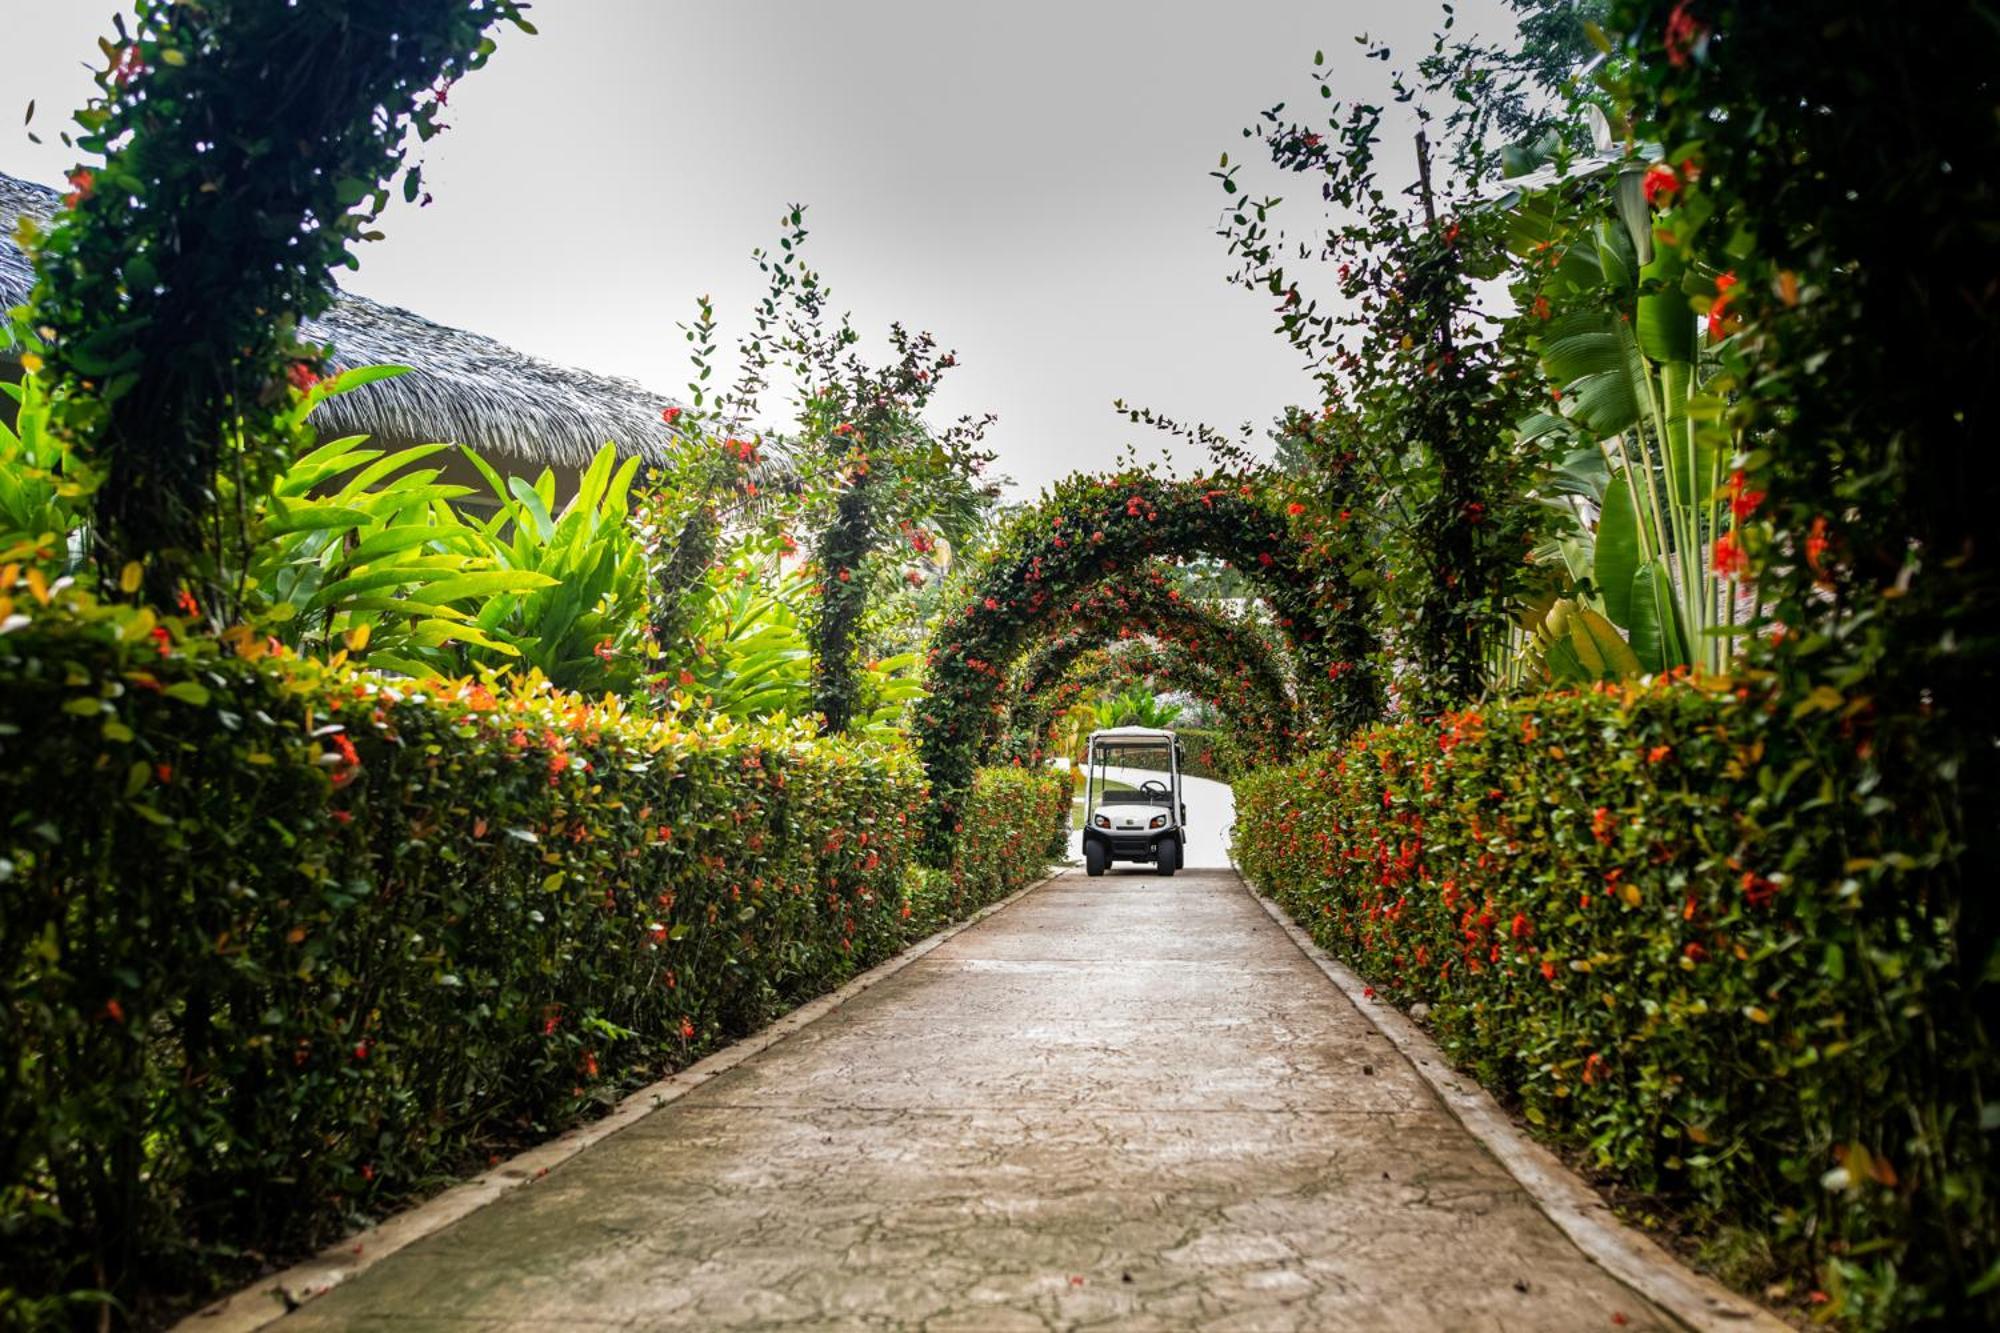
(1122, 1103)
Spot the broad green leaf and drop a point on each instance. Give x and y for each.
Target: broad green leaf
(1657, 638)
(486, 583)
(1617, 553)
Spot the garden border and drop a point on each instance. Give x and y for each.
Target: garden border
(270, 1299)
(1578, 1211)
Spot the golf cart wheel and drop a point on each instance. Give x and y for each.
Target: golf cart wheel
(1093, 859)
(1169, 856)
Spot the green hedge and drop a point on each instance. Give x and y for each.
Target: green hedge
(1207, 754)
(1645, 916)
(285, 946)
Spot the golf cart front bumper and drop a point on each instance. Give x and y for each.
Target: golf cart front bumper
(1129, 844)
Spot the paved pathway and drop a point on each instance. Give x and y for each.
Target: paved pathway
(1124, 1103)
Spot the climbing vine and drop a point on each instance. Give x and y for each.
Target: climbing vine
(171, 288)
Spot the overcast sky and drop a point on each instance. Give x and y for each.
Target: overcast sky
(1027, 179)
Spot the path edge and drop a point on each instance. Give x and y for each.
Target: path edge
(1695, 1300)
(270, 1299)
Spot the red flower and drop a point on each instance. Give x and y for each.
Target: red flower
(1367, 992)
(687, 1029)
(670, 415)
(605, 652)
(1521, 927)
(1548, 970)
(844, 428)
(590, 1064)
(687, 677)
(843, 576)
(302, 376)
(992, 605)
(82, 186)
(1295, 509)
(1658, 754)
(1600, 825)
(1682, 35)
(361, 1050)
(1729, 558)
(1757, 890)
(1742, 500)
(1695, 952)
(1817, 543)
(1541, 307)
(1660, 179)
(1717, 309)
(349, 756)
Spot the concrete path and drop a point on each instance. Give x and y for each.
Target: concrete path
(1123, 1103)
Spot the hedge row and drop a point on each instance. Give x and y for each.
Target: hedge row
(285, 945)
(1206, 754)
(1687, 934)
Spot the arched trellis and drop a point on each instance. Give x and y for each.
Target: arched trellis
(1159, 635)
(1255, 735)
(1090, 529)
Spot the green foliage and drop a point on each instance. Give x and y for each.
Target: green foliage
(1014, 821)
(866, 458)
(284, 942)
(1666, 921)
(44, 489)
(1409, 444)
(171, 289)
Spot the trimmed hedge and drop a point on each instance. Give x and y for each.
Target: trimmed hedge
(1208, 755)
(285, 945)
(1627, 911)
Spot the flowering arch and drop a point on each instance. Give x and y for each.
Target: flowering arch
(1088, 530)
(1143, 629)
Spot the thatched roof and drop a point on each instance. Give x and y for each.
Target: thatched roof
(462, 388)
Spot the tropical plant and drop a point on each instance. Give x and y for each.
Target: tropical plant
(44, 488)
(1135, 707)
(1647, 481)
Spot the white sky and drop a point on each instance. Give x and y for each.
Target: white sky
(1028, 179)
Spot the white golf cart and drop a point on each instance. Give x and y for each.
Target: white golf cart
(1148, 824)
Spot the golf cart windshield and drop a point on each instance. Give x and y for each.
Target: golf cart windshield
(1133, 769)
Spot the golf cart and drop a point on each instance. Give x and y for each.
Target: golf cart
(1144, 825)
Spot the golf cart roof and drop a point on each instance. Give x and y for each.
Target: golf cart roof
(1133, 736)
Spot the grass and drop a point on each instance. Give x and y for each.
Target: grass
(1076, 802)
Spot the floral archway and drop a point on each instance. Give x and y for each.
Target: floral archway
(1144, 630)
(1091, 530)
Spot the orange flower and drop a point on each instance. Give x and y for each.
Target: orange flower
(1817, 543)
(1717, 325)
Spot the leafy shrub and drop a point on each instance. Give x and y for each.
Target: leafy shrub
(1012, 822)
(283, 942)
(1623, 912)
(1208, 754)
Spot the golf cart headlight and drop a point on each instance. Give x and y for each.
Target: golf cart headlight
(1102, 822)
(1159, 821)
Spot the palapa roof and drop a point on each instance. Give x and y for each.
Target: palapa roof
(462, 388)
